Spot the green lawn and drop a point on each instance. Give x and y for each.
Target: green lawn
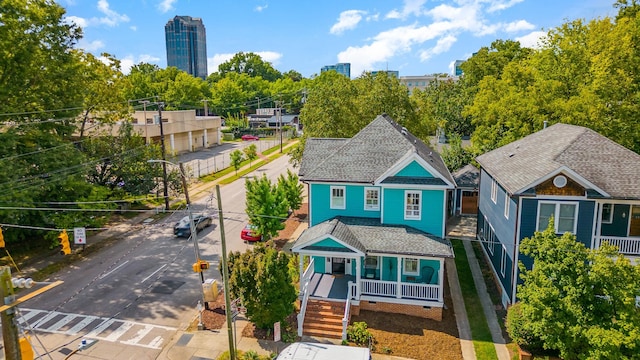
(480, 334)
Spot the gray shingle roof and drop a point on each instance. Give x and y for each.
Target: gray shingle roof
(369, 236)
(604, 163)
(467, 176)
(367, 155)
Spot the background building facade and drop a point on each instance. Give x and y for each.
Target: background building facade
(341, 68)
(186, 42)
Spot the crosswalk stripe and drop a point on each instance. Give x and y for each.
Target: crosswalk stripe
(81, 325)
(115, 335)
(64, 321)
(139, 335)
(102, 327)
(45, 319)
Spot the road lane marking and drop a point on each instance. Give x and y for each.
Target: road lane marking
(64, 321)
(115, 334)
(110, 272)
(153, 273)
(81, 325)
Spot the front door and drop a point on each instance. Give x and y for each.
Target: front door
(634, 221)
(337, 265)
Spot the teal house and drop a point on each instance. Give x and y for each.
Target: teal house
(377, 212)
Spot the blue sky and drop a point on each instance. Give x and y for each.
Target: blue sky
(414, 37)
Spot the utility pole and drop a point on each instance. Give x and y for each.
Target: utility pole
(164, 158)
(10, 335)
(279, 119)
(225, 278)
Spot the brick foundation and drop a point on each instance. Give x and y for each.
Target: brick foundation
(433, 313)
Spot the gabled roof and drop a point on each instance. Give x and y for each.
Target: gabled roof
(603, 163)
(366, 156)
(467, 176)
(369, 236)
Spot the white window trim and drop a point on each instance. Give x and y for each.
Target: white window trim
(368, 207)
(503, 261)
(557, 212)
(344, 197)
(507, 202)
(494, 191)
(413, 217)
(377, 262)
(492, 239)
(610, 220)
(404, 267)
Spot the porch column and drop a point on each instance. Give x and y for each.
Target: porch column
(399, 276)
(206, 139)
(441, 281)
(172, 141)
(190, 135)
(598, 228)
(301, 265)
(358, 278)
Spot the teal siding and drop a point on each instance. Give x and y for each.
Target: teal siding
(390, 267)
(329, 243)
(321, 203)
(432, 214)
(414, 170)
(318, 264)
(620, 223)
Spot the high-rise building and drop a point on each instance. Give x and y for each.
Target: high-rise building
(186, 40)
(457, 68)
(341, 68)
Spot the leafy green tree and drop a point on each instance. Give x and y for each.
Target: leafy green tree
(292, 189)
(267, 206)
(440, 106)
(260, 278)
(455, 155)
(577, 301)
(251, 152)
(236, 159)
(186, 91)
(250, 64)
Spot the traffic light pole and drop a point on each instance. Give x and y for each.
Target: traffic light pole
(10, 334)
(225, 278)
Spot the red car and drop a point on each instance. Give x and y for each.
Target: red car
(249, 233)
(249, 137)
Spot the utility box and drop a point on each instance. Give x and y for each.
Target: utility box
(210, 290)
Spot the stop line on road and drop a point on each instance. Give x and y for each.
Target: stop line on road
(95, 327)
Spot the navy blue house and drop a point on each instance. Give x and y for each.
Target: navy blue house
(589, 184)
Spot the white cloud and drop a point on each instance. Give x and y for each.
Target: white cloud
(373, 17)
(348, 20)
(443, 45)
(411, 7)
(497, 5)
(133, 27)
(532, 40)
(260, 8)
(130, 61)
(82, 22)
(217, 59)
(166, 5)
(92, 46)
(111, 17)
(270, 56)
(518, 26)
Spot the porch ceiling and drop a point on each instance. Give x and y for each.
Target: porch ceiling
(369, 236)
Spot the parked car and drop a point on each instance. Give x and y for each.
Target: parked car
(247, 137)
(321, 351)
(183, 229)
(249, 233)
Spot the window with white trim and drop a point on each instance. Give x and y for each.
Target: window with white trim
(371, 262)
(607, 213)
(494, 191)
(507, 202)
(410, 266)
(491, 239)
(565, 215)
(503, 261)
(338, 197)
(412, 205)
(371, 198)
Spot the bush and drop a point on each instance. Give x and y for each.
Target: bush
(358, 333)
(519, 330)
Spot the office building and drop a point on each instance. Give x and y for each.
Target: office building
(457, 68)
(391, 73)
(186, 40)
(421, 82)
(341, 68)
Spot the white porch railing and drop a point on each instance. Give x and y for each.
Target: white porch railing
(347, 309)
(626, 245)
(305, 279)
(413, 291)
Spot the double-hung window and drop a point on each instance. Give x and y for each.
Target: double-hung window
(507, 202)
(371, 198)
(565, 215)
(494, 191)
(503, 261)
(412, 205)
(338, 197)
(607, 213)
(410, 266)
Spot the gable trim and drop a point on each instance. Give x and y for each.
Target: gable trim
(409, 157)
(298, 249)
(572, 174)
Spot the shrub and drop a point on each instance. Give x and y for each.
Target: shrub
(358, 333)
(519, 329)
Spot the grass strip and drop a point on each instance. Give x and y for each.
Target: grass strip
(480, 333)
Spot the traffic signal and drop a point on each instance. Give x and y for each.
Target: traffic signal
(65, 247)
(1, 239)
(200, 265)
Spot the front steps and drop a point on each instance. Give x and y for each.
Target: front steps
(323, 319)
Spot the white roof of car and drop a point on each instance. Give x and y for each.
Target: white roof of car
(318, 351)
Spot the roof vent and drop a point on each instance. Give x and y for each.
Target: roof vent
(560, 181)
(404, 131)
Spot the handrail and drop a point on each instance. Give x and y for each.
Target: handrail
(347, 309)
(304, 290)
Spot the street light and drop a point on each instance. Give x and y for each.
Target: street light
(194, 235)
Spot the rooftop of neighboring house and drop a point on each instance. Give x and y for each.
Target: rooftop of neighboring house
(613, 170)
(467, 177)
(368, 155)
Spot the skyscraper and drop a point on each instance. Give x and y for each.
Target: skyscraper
(341, 68)
(186, 40)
